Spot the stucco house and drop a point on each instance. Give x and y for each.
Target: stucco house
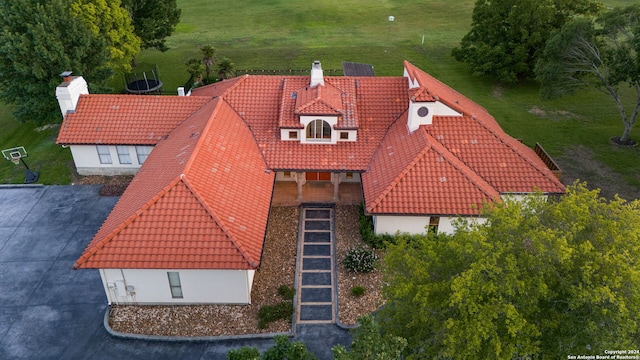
(190, 227)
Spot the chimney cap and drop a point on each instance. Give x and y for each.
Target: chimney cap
(316, 62)
(66, 73)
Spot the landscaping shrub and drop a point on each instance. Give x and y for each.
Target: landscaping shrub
(360, 260)
(368, 235)
(358, 291)
(244, 353)
(286, 292)
(271, 313)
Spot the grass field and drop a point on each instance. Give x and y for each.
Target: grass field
(290, 34)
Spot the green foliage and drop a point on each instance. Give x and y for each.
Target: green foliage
(287, 350)
(358, 291)
(282, 350)
(195, 68)
(208, 58)
(153, 21)
(603, 54)
(369, 343)
(39, 40)
(107, 19)
(225, 68)
(508, 36)
(539, 279)
(286, 292)
(244, 353)
(365, 225)
(271, 313)
(360, 260)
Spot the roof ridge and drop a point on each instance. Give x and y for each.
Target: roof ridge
(483, 184)
(196, 147)
(219, 221)
(102, 243)
(513, 148)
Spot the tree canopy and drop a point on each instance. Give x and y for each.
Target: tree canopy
(112, 22)
(540, 278)
(153, 21)
(508, 36)
(38, 40)
(370, 344)
(603, 54)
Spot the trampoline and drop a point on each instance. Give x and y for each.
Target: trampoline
(144, 81)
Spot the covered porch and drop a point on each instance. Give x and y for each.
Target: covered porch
(292, 189)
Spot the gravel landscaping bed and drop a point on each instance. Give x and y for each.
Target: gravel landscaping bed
(348, 237)
(278, 268)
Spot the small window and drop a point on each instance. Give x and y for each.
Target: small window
(349, 175)
(344, 135)
(174, 284)
(423, 111)
(319, 129)
(123, 154)
(293, 134)
(143, 153)
(104, 154)
(287, 174)
(434, 221)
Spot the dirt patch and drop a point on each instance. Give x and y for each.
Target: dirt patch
(497, 91)
(537, 112)
(578, 162)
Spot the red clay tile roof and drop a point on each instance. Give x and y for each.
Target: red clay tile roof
(319, 100)
(170, 216)
(336, 97)
(411, 173)
(380, 100)
(202, 198)
(126, 119)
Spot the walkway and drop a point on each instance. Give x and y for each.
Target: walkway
(316, 296)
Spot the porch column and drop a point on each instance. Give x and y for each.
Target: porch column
(335, 180)
(300, 180)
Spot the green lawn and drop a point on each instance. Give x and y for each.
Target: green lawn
(290, 34)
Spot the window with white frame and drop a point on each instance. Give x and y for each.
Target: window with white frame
(123, 154)
(174, 284)
(143, 153)
(104, 154)
(319, 130)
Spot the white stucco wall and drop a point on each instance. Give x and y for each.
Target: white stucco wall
(151, 286)
(88, 162)
(413, 224)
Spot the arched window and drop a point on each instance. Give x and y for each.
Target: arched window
(319, 129)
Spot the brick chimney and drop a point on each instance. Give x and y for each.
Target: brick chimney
(68, 93)
(317, 77)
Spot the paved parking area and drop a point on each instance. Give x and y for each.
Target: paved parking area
(49, 311)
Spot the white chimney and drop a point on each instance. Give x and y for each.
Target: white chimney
(316, 74)
(181, 91)
(69, 92)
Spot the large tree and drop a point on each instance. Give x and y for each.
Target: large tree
(112, 22)
(508, 36)
(604, 54)
(153, 20)
(539, 279)
(38, 40)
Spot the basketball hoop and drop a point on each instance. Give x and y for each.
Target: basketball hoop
(17, 155)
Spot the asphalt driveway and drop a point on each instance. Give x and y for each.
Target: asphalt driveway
(49, 311)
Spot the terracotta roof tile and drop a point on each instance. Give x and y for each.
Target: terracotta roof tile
(171, 212)
(202, 198)
(380, 100)
(126, 119)
(428, 179)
